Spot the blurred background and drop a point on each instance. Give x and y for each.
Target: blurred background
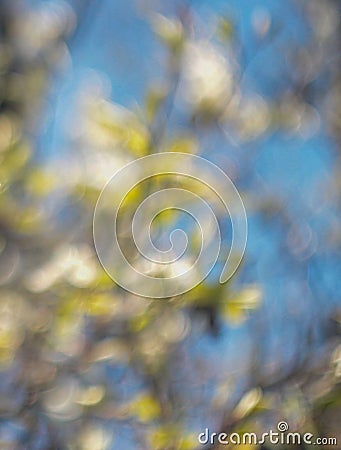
(87, 86)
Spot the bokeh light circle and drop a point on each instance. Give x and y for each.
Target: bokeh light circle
(162, 273)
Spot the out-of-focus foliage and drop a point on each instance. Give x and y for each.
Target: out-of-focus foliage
(85, 365)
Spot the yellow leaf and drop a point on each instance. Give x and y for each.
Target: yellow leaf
(170, 31)
(39, 182)
(184, 144)
(154, 99)
(100, 304)
(138, 141)
(225, 29)
(236, 307)
(145, 407)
